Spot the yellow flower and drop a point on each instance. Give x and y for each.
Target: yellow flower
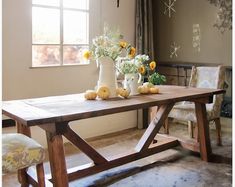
(152, 65)
(123, 44)
(142, 70)
(86, 54)
(132, 52)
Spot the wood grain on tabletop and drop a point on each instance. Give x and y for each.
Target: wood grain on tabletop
(74, 107)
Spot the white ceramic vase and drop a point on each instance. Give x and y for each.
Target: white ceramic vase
(107, 75)
(132, 81)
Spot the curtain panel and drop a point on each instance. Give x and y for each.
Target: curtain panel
(144, 28)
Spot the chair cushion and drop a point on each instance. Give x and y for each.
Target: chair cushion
(186, 112)
(20, 151)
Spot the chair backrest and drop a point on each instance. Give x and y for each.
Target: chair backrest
(209, 77)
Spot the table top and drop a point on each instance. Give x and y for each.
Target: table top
(74, 107)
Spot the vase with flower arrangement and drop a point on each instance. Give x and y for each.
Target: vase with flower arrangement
(105, 50)
(112, 53)
(131, 68)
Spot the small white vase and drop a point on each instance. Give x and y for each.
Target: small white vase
(107, 75)
(132, 81)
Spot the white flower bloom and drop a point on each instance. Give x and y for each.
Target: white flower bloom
(141, 58)
(107, 44)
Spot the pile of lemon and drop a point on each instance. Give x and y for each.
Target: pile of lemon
(104, 93)
(148, 88)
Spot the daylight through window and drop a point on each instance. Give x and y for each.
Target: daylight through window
(60, 32)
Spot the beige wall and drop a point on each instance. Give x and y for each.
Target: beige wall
(21, 81)
(215, 47)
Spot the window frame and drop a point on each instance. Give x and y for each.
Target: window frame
(61, 44)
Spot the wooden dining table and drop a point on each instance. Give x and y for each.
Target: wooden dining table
(54, 113)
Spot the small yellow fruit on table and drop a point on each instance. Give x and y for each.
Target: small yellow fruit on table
(148, 84)
(154, 90)
(90, 95)
(103, 92)
(123, 92)
(143, 89)
(118, 90)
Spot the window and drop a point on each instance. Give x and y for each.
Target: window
(60, 32)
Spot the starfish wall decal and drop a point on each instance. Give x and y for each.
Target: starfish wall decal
(169, 7)
(174, 49)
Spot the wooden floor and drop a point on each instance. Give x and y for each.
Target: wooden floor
(174, 167)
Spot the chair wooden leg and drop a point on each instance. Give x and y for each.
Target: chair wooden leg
(218, 131)
(190, 129)
(40, 175)
(196, 135)
(22, 177)
(166, 126)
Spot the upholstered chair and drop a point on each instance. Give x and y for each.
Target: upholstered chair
(20, 152)
(202, 77)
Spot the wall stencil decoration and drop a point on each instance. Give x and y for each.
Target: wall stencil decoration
(174, 50)
(224, 15)
(169, 7)
(196, 37)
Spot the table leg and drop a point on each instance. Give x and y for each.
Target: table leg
(203, 130)
(154, 127)
(57, 159)
(145, 118)
(22, 173)
(23, 129)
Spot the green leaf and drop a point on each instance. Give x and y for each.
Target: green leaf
(157, 79)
